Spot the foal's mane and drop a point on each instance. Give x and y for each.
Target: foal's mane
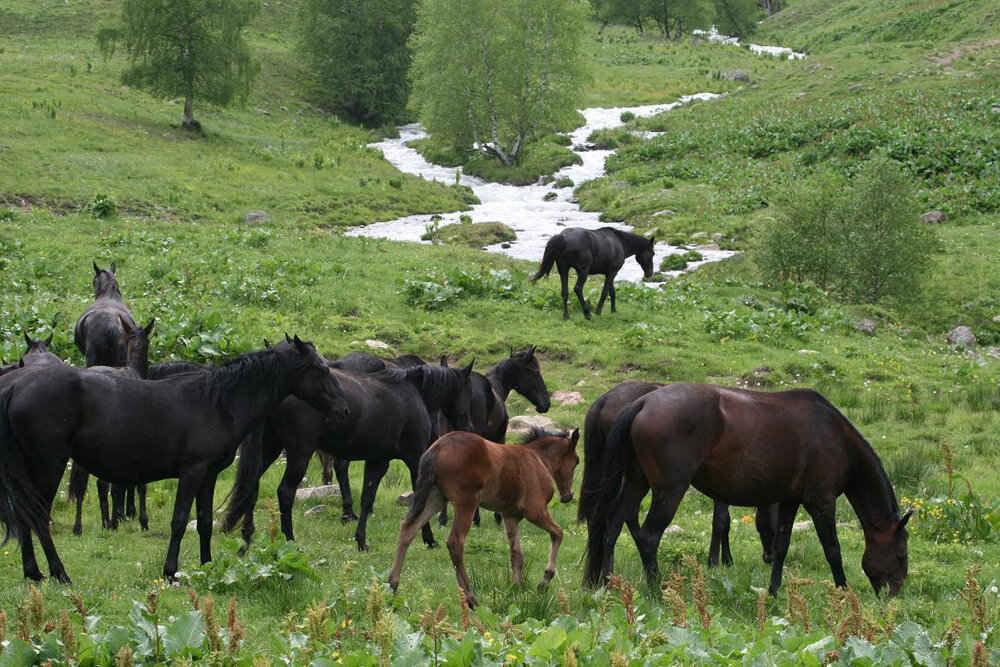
(537, 433)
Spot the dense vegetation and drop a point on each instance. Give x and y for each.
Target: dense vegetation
(94, 171)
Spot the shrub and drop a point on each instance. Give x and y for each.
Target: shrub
(627, 116)
(102, 205)
(673, 263)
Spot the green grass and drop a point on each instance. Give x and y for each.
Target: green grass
(471, 234)
(217, 286)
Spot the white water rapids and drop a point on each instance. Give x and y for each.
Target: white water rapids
(524, 208)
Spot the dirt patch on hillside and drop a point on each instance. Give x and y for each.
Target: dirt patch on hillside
(963, 50)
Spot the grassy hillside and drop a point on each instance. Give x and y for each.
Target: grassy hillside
(218, 286)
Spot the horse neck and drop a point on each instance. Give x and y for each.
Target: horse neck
(110, 292)
(870, 492)
(501, 377)
(545, 453)
(137, 360)
(631, 243)
(249, 387)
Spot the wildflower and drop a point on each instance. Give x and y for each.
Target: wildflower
(511, 657)
(747, 518)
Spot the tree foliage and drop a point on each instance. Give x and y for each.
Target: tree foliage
(185, 48)
(490, 73)
(360, 52)
(736, 17)
(865, 240)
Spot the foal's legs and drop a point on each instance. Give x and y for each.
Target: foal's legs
(581, 277)
(824, 518)
(543, 520)
(720, 536)
(783, 535)
(342, 468)
(464, 509)
(511, 526)
(606, 291)
(187, 487)
(374, 472)
(408, 530)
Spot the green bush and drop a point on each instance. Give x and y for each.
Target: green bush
(627, 116)
(674, 263)
(102, 205)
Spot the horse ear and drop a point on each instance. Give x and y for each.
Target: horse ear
(288, 338)
(531, 351)
(574, 437)
(125, 324)
(149, 327)
(444, 360)
(267, 345)
(20, 363)
(652, 240)
(905, 518)
(48, 341)
(27, 339)
(299, 345)
(468, 369)
(511, 348)
(112, 267)
(97, 269)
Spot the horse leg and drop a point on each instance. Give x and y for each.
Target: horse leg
(79, 479)
(464, 509)
(117, 505)
(661, 513)
(342, 467)
(203, 514)
(581, 278)
(327, 462)
(609, 285)
(408, 531)
(626, 504)
(143, 517)
(48, 486)
(427, 534)
(269, 456)
(767, 517)
(443, 517)
(28, 563)
(374, 472)
(297, 462)
(511, 526)
(543, 520)
(824, 516)
(611, 291)
(102, 499)
(130, 502)
(720, 536)
(782, 536)
(187, 487)
(563, 269)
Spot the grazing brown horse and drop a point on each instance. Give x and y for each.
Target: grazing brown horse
(516, 481)
(745, 448)
(600, 418)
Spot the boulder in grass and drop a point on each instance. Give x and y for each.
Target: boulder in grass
(933, 217)
(962, 336)
(521, 424)
(315, 492)
(735, 75)
(865, 326)
(567, 397)
(257, 216)
(405, 499)
(313, 511)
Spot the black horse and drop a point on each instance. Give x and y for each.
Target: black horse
(601, 251)
(36, 356)
(519, 372)
(597, 425)
(390, 420)
(751, 449)
(130, 431)
(100, 335)
(136, 341)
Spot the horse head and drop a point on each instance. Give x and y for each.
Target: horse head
(645, 257)
(886, 559)
(566, 460)
(105, 281)
(447, 389)
(528, 379)
(136, 341)
(314, 383)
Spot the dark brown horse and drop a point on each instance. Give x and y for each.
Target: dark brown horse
(516, 481)
(745, 448)
(602, 251)
(600, 417)
(36, 356)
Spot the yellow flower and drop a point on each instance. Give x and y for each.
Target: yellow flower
(511, 657)
(747, 518)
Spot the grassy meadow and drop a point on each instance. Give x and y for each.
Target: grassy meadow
(217, 286)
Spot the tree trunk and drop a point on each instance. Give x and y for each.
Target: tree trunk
(189, 122)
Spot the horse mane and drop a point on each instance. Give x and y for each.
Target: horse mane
(170, 368)
(629, 240)
(225, 383)
(110, 288)
(537, 433)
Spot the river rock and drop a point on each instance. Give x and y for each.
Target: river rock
(699, 235)
(313, 511)
(315, 492)
(664, 212)
(192, 526)
(257, 216)
(405, 499)
(735, 75)
(962, 336)
(933, 217)
(620, 184)
(551, 195)
(377, 344)
(521, 424)
(853, 88)
(567, 397)
(717, 237)
(996, 318)
(801, 525)
(865, 326)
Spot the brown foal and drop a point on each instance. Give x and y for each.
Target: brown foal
(514, 480)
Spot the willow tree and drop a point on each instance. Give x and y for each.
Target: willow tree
(490, 73)
(185, 48)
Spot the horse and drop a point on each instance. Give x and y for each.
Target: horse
(602, 251)
(131, 431)
(99, 334)
(36, 356)
(391, 420)
(519, 372)
(469, 471)
(136, 342)
(597, 424)
(745, 448)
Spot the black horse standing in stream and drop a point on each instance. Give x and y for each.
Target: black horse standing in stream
(130, 431)
(601, 251)
(390, 420)
(100, 336)
(597, 425)
(745, 448)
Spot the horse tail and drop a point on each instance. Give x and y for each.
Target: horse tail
(593, 451)
(552, 249)
(618, 454)
(426, 479)
(22, 507)
(78, 480)
(243, 495)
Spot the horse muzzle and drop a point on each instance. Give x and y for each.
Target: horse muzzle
(568, 498)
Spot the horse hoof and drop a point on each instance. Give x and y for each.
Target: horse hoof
(433, 545)
(144, 527)
(347, 518)
(77, 530)
(243, 550)
(34, 575)
(362, 546)
(62, 578)
(768, 558)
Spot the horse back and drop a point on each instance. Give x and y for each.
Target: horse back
(98, 333)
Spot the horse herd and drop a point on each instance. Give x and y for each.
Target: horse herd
(130, 422)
